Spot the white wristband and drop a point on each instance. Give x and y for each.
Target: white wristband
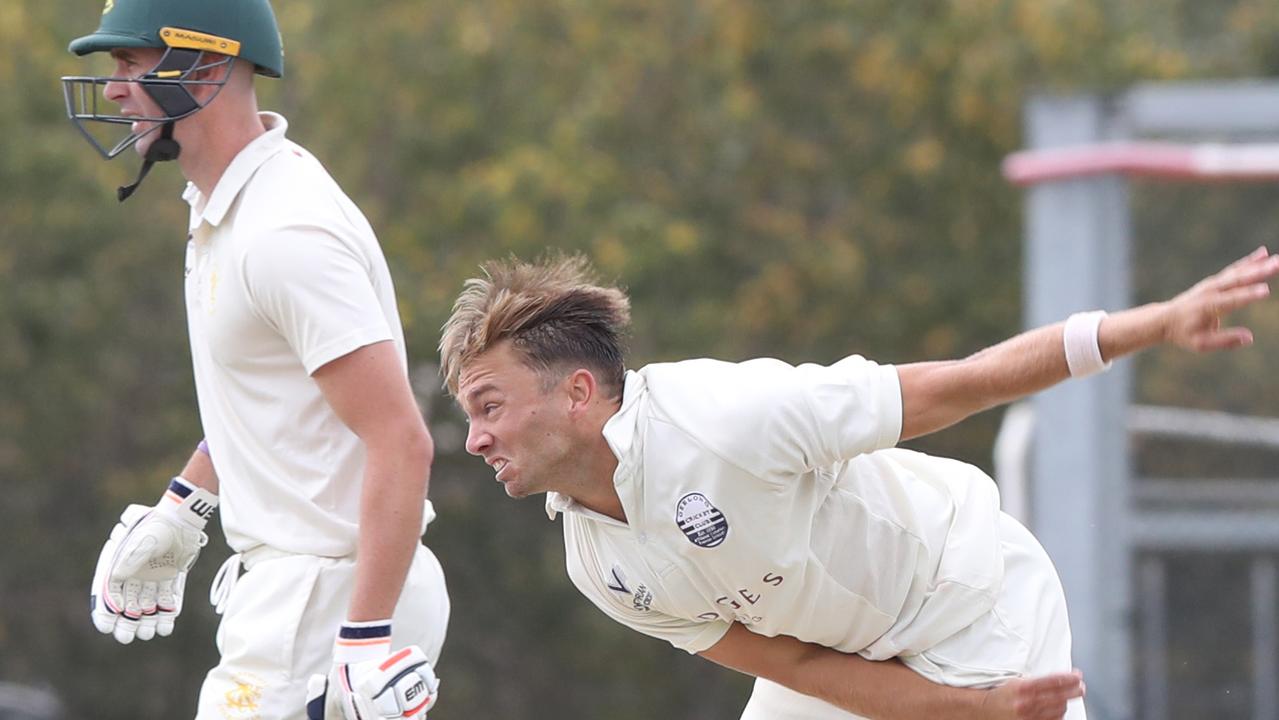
(362, 641)
(1083, 351)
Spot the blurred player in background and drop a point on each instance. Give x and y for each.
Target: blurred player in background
(314, 448)
(757, 514)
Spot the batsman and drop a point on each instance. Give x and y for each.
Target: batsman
(314, 451)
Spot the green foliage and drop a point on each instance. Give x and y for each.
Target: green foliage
(802, 180)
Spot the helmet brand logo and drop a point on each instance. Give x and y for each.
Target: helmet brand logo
(109, 7)
(192, 40)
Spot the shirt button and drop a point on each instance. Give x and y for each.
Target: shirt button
(643, 538)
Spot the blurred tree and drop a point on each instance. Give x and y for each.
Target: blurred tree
(802, 180)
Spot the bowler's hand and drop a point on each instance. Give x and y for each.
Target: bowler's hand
(1041, 698)
(1193, 319)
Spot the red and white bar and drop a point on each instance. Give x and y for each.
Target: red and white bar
(1145, 159)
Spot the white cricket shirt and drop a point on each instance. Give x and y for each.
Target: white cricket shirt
(762, 493)
(283, 274)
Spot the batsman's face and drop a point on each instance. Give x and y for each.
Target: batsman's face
(130, 64)
(521, 431)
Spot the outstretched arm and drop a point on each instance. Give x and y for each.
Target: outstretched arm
(936, 395)
(887, 690)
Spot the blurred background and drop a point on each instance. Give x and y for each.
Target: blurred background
(802, 180)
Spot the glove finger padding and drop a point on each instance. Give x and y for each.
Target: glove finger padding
(146, 605)
(168, 603)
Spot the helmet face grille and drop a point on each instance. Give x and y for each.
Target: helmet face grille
(169, 84)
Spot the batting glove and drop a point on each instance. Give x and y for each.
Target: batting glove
(368, 682)
(141, 572)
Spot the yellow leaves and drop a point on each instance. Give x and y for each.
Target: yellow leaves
(1145, 55)
(737, 29)
(294, 18)
(475, 35)
(771, 298)
(742, 101)
(1059, 29)
(585, 29)
(923, 156)
(885, 68)
(775, 221)
(681, 238)
(969, 107)
(1254, 17)
(840, 261)
(804, 154)
(916, 289)
(966, 11)
(876, 67)
(940, 342)
(496, 178)
(13, 21)
(516, 222)
(610, 254)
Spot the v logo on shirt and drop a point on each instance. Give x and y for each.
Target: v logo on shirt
(618, 583)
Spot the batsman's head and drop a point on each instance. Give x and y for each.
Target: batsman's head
(170, 59)
(533, 353)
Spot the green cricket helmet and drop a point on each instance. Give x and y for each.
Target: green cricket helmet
(241, 28)
(201, 40)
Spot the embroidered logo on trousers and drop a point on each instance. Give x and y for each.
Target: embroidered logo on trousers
(241, 701)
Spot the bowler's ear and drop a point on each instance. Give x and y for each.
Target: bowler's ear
(582, 389)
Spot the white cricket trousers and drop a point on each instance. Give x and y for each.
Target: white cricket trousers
(1025, 634)
(279, 624)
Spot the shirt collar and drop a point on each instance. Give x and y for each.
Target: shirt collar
(621, 434)
(214, 208)
(557, 503)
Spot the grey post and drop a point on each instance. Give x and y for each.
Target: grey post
(1077, 259)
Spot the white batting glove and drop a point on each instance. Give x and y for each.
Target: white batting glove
(141, 572)
(368, 682)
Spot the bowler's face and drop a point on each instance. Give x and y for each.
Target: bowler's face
(519, 430)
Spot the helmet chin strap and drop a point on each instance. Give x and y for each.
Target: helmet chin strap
(162, 149)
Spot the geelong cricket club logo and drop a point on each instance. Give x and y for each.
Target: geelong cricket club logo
(702, 523)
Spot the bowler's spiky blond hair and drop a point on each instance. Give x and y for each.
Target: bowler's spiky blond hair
(555, 314)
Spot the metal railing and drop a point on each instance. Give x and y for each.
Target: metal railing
(1236, 516)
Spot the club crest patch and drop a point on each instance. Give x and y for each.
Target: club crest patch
(701, 522)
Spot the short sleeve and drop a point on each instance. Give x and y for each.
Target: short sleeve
(855, 407)
(774, 419)
(316, 291)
